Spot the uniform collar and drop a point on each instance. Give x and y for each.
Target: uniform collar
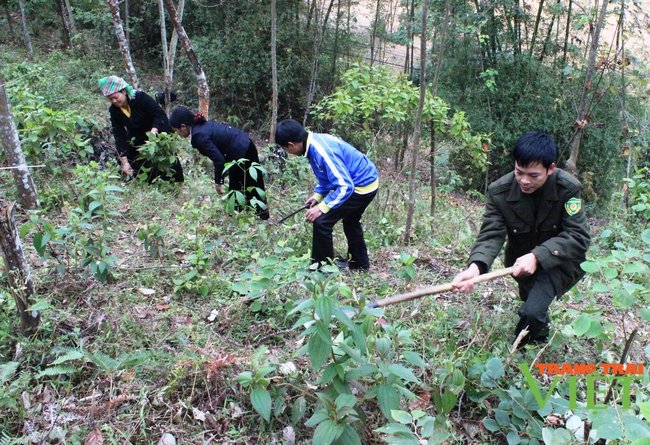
(308, 142)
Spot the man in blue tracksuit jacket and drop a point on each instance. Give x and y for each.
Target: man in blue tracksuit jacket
(347, 183)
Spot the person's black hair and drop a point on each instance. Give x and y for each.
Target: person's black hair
(182, 115)
(534, 147)
(289, 131)
(160, 97)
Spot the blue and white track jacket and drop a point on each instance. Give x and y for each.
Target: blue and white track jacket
(340, 170)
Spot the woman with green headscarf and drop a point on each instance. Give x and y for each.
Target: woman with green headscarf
(133, 114)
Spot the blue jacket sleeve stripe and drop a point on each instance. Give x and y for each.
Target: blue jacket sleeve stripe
(337, 174)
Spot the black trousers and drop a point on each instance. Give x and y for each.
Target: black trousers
(537, 291)
(350, 212)
(241, 179)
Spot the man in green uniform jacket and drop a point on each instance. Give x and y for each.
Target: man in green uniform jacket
(538, 210)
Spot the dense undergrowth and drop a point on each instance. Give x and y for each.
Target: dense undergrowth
(163, 313)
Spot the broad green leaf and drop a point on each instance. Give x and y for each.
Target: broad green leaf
(261, 400)
(361, 371)
(513, 438)
(600, 287)
(644, 441)
(645, 236)
(327, 432)
(502, 417)
(581, 324)
(610, 273)
(323, 332)
(414, 358)
(457, 381)
(590, 267)
(635, 267)
(316, 418)
(623, 299)
(7, 371)
(397, 429)
(298, 410)
(401, 416)
(348, 437)
(494, 367)
(319, 351)
(645, 410)
(388, 400)
(491, 424)
(449, 400)
(607, 424)
(345, 400)
(324, 309)
(403, 372)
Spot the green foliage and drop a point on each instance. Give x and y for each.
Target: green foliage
(408, 270)
(85, 241)
(639, 189)
(236, 199)
(372, 104)
(346, 349)
(49, 136)
(621, 274)
(257, 382)
(152, 236)
(72, 361)
(160, 150)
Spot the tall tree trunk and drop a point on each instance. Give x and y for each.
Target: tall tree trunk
(124, 45)
(28, 39)
(21, 284)
(165, 50)
(626, 133)
(65, 21)
(540, 9)
(583, 109)
(417, 125)
(335, 55)
(10, 22)
(127, 27)
(27, 194)
(566, 34)
(203, 90)
(319, 29)
(373, 35)
(68, 9)
(434, 92)
(173, 45)
(348, 31)
(547, 40)
(408, 65)
(274, 70)
(432, 171)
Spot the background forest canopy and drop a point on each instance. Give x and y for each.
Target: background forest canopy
(509, 67)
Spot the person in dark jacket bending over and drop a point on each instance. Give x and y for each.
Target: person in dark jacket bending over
(538, 210)
(133, 114)
(347, 183)
(223, 143)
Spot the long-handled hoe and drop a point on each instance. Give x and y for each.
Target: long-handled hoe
(438, 289)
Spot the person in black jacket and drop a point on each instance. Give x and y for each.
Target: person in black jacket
(223, 143)
(133, 114)
(537, 211)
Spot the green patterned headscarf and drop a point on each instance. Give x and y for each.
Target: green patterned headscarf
(113, 84)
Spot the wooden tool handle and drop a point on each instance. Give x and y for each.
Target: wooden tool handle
(438, 289)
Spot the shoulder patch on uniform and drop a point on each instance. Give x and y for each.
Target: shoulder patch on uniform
(573, 206)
